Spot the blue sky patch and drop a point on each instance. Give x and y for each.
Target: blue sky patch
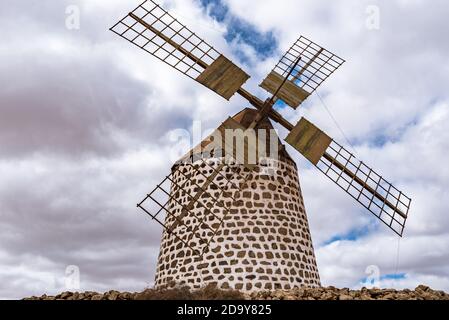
(392, 276)
(265, 44)
(381, 140)
(352, 235)
(280, 105)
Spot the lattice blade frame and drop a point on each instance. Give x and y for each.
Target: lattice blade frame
(316, 65)
(197, 236)
(367, 187)
(370, 189)
(153, 29)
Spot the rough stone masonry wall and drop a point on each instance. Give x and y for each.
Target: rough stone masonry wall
(263, 244)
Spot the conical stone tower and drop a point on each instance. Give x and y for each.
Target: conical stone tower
(264, 241)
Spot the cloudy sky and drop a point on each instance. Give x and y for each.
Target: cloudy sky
(87, 121)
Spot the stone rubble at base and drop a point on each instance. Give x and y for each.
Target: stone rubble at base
(330, 293)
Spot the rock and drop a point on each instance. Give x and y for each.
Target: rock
(113, 295)
(365, 296)
(279, 295)
(65, 295)
(355, 294)
(316, 294)
(422, 288)
(345, 297)
(310, 299)
(429, 296)
(327, 296)
(402, 296)
(97, 297)
(389, 296)
(375, 293)
(124, 296)
(50, 298)
(141, 295)
(299, 292)
(74, 296)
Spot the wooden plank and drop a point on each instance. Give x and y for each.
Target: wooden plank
(309, 140)
(223, 77)
(290, 93)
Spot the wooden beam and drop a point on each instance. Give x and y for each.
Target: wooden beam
(188, 54)
(352, 175)
(299, 74)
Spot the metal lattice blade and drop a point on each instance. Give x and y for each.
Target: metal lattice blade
(190, 211)
(315, 66)
(154, 30)
(367, 187)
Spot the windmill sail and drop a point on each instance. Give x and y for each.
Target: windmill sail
(165, 204)
(156, 31)
(367, 187)
(315, 66)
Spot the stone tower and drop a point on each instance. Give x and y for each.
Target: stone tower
(264, 241)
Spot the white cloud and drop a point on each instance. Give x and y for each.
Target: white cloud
(85, 118)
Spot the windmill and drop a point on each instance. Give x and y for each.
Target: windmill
(235, 221)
